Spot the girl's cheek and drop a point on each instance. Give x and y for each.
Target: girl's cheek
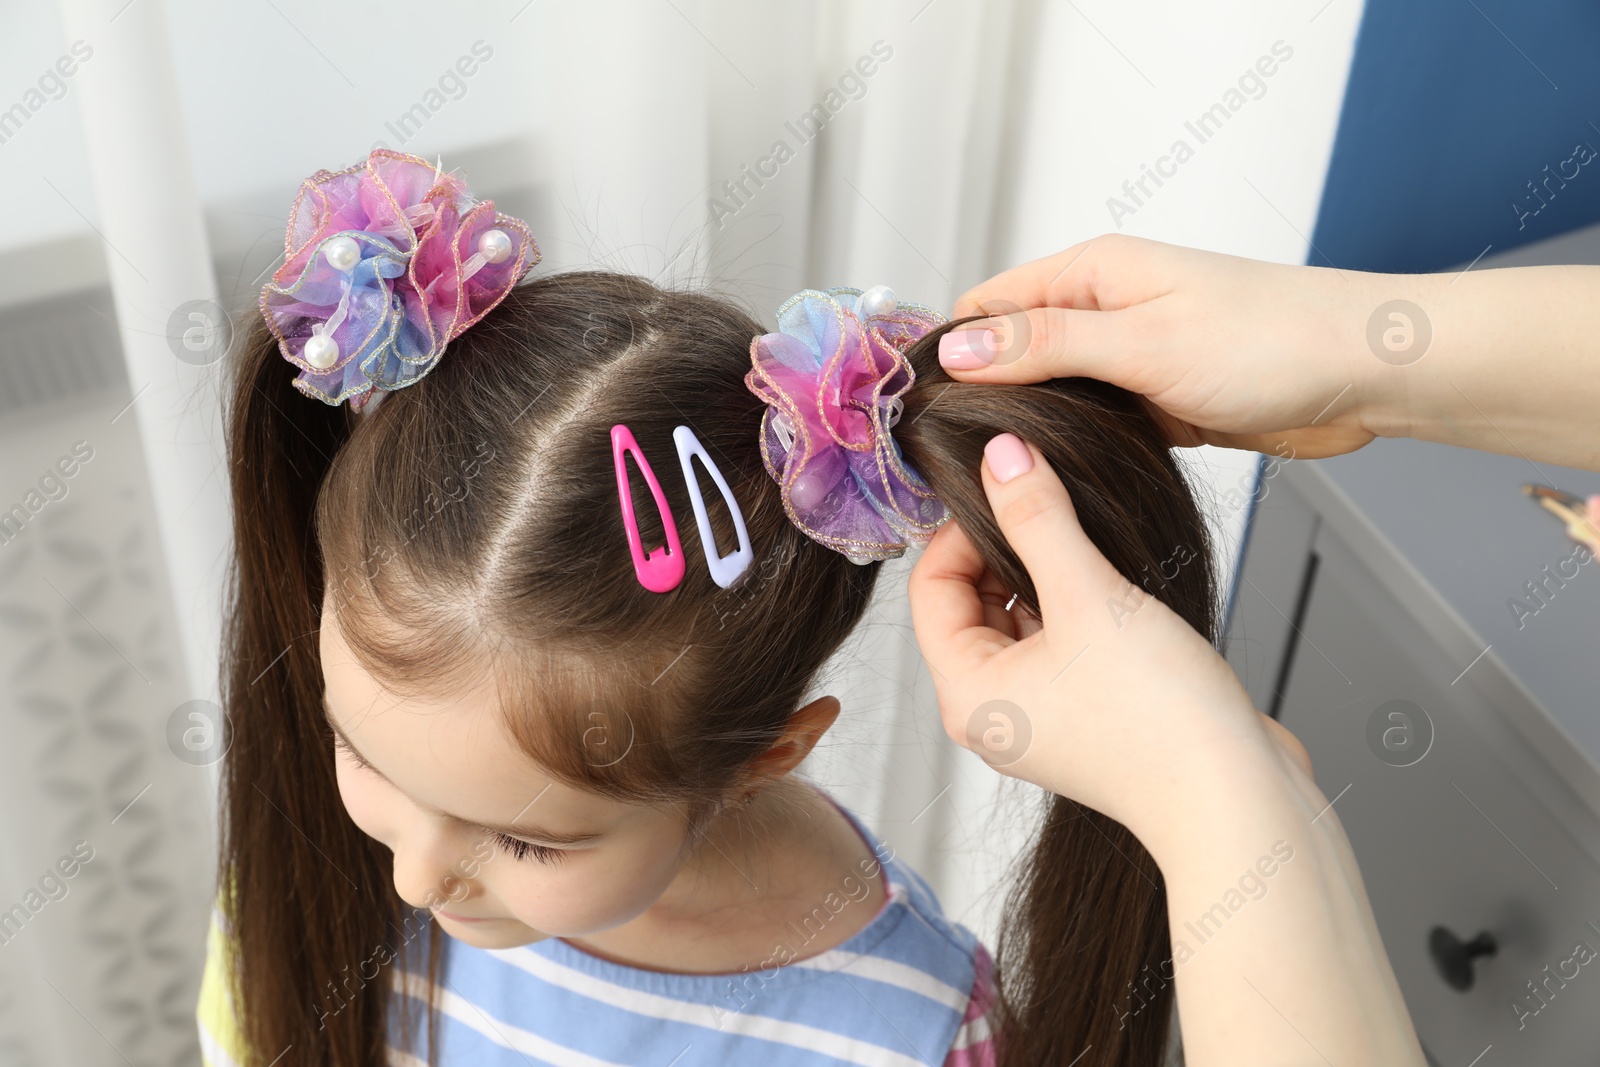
(593, 895)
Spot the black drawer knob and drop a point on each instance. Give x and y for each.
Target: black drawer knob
(1454, 956)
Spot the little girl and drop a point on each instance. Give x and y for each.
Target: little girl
(500, 668)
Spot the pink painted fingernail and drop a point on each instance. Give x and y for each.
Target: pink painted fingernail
(967, 349)
(1007, 457)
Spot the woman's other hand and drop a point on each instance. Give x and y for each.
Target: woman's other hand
(1109, 687)
(1111, 699)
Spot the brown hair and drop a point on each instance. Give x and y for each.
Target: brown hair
(469, 523)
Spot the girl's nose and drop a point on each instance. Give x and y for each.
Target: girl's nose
(428, 866)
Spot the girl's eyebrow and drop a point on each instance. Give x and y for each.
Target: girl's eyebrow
(548, 836)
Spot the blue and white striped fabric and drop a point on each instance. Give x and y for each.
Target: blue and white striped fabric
(892, 995)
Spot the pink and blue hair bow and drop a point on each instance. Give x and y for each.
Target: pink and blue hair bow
(832, 377)
(385, 263)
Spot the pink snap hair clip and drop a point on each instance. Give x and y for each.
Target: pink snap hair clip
(724, 569)
(661, 570)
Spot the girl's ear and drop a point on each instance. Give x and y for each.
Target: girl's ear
(805, 729)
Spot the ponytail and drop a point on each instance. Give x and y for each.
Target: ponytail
(308, 898)
(1083, 964)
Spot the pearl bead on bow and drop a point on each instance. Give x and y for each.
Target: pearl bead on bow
(343, 254)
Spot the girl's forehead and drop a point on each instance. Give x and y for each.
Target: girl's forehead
(452, 753)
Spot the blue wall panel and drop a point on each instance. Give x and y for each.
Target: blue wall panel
(1466, 123)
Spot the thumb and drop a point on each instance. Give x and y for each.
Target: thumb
(1018, 346)
(1035, 513)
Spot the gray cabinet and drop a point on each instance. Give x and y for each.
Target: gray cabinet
(1366, 617)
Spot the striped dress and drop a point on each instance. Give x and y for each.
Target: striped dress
(911, 988)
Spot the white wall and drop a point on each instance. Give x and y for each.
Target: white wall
(1113, 85)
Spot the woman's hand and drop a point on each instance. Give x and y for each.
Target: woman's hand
(1110, 687)
(1113, 700)
(1227, 351)
(1302, 361)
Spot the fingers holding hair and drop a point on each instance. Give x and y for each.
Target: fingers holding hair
(1083, 311)
(1034, 511)
(948, 612)
(952, 607)
(1021, 346)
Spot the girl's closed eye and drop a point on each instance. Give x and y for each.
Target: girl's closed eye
(518, 848)
(340, 746)
(521, 849)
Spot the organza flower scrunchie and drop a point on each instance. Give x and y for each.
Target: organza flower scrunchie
(385, 263)
(832, 377)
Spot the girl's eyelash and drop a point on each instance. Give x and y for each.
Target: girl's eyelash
(340, 746)
(518, 848)
(521, 849)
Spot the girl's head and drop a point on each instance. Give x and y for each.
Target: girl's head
(450, 570)
(486, 644)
